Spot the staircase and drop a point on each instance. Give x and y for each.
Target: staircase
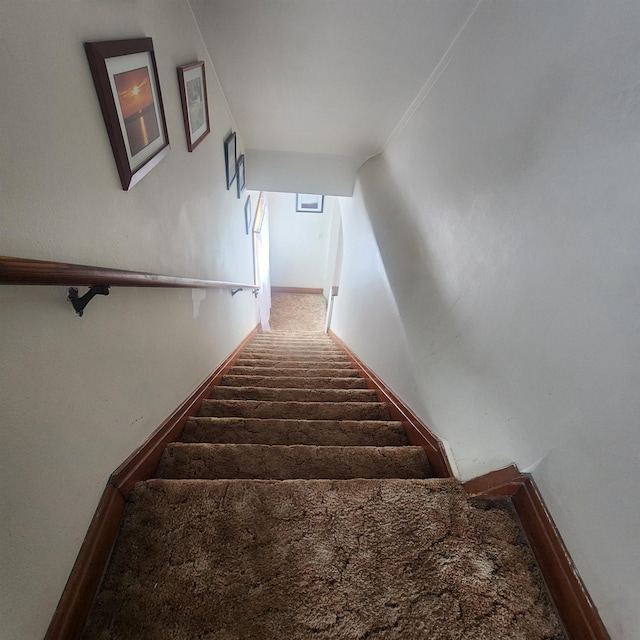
(293, 507)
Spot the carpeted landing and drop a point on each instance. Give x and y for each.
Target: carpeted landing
(295, 508)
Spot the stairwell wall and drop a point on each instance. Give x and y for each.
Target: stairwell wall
(78, 395)
(491, 263)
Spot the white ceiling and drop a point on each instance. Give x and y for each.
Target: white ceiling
(325, 76)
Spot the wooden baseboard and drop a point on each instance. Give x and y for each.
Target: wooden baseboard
(295, 290)
(574, 605)
(73, 608)
(417, 432)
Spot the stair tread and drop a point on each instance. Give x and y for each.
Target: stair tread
(296, 395)
(325, 558)
(297, 410)
(294, 382)
(311, 372)
(320, 432)
(205, 460)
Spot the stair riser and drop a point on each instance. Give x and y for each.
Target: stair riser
(293, 395)
(293, 382)
(295, 410)
(291, 372)
(278, 355)
(293, 364)
(273, 462)
(287, 432)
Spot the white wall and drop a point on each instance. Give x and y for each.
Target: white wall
(77, 395)
(299, 242)
(502, 246)
(302, 172)
(333, 267)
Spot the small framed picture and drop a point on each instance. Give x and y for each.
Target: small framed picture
(241, 175)
(195, 107)
(126, 80)
(230, 159)
(247, 215)
(309, 203)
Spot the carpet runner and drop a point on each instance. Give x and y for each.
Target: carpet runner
(293, 507)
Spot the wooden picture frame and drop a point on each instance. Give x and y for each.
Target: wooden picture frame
(126, 81)
(195, 105)
(230, 160)
(309, 203)
(241, 175)
(247, 215)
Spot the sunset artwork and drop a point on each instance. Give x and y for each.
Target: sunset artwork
(138, 109)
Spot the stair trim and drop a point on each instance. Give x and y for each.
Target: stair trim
(418, 433)
(142, 463)
(77, 597)
(574, 604)
(73, 608)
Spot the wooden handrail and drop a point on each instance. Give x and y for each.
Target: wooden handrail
(42, 272)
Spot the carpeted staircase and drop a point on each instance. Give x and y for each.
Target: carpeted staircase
(293, 507)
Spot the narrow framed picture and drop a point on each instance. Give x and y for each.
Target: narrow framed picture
(126, 80)
(195, 105)
(230, 159)
(241, 175)
(247, 215)
(309, 203)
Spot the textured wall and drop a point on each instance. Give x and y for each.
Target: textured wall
(503, 249)
(78, 395)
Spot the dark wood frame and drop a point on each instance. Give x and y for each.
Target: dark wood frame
(247, 215)
(299, 208)
(231, 163)
(192, 142)
(98, 53)
(240, 171)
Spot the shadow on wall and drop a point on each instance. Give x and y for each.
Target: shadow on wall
(439, 346)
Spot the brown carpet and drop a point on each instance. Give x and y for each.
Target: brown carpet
(294, 510)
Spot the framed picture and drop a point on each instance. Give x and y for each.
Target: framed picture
(241, 178)
(230, 159)
(195, 106)
(247, 215)
(126, 80)
(309, 203)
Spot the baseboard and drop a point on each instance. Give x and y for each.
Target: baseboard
(73, 608)
(295, 290)
(143, 462)
(417, 432)
(574, 605)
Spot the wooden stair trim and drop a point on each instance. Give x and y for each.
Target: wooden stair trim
(417, 432)
(575, 607)
(76, 600)
(77, 597)
(142, 463)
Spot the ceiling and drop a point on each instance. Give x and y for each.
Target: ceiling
(325, 76)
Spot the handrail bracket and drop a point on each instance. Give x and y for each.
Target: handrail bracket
(80, 302)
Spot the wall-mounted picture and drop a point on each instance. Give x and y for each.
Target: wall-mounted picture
(247, 215)
(230, 159)
(241, 175)
(309, 203)
(126, 80)
(195, 106)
